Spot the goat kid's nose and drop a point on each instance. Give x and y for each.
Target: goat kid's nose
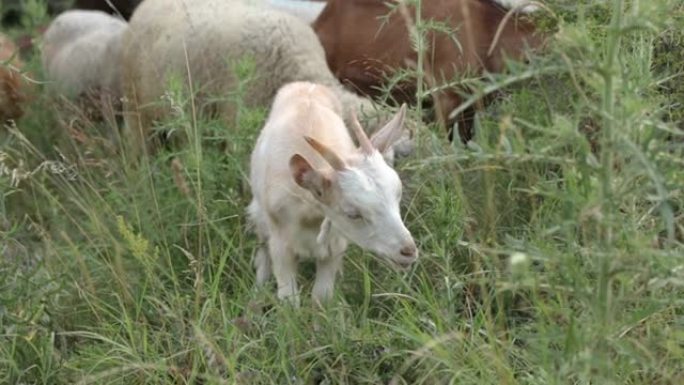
(409, 250)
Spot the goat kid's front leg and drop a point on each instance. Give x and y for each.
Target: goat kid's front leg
(262, 264)
(326, 272)
(284, 264)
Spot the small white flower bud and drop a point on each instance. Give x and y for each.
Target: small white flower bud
(518, 259)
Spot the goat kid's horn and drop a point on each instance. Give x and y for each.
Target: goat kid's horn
(366, 145)
(328, 154)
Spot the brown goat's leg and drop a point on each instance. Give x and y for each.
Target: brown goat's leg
(466, 123)
(445, 103)
(466, 119)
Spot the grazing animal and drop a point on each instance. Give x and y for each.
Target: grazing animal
(12, 86)
(197, 41)
(314, 191)
(81, 53)
(363, 47)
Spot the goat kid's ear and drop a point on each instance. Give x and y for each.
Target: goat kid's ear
(385, 137)
(309, 178)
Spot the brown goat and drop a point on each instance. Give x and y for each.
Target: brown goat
(366, 42)
(12, 85)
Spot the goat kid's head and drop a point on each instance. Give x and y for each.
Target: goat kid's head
(361, 195)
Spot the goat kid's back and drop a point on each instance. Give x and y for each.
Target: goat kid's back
(299, 111)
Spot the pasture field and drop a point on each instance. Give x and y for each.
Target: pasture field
(552, 248)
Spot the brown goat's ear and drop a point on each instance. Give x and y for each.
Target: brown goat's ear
(385, 137)
(309, 178)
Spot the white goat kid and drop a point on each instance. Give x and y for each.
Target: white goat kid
(314, 191)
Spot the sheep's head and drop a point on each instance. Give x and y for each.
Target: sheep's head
(361, 195)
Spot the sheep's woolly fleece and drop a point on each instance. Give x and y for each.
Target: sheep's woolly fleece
(170, 39)
(81, 52)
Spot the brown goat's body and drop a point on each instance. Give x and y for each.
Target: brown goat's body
(363, 49)
(12, 86)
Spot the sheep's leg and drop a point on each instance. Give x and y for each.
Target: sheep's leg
(284, 262)
(135, 125)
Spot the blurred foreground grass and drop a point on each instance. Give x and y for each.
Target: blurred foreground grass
(551, 250)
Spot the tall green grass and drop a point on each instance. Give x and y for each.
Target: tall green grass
(551, 248)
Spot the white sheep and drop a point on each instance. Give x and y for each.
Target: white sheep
(81, 53)
(200, 40)
(314, 191)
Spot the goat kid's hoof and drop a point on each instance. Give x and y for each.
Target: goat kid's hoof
(292, 300)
